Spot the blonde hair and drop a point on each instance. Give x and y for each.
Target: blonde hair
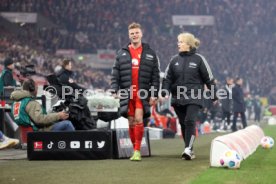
(190, 39)
(134, 25)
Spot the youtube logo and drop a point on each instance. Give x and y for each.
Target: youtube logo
(75, 144)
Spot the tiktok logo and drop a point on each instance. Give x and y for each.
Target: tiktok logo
(50, 145)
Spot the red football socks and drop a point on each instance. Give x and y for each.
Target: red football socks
(131, 130)
(139, 132)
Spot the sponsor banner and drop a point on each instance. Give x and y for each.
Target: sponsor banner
(69, 145)
(20, 17)
(193, 20)
(65, 52)
(106, 55)
(272, 109)
(96, 61)
(123, 147)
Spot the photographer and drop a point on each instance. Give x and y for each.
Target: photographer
(28, 112)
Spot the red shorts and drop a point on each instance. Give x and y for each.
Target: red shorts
(133, 104)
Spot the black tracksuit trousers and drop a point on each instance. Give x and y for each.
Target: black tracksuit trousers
(187, 116)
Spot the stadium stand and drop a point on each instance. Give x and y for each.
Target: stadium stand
(235, 45)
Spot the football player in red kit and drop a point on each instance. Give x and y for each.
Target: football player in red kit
(136, 70)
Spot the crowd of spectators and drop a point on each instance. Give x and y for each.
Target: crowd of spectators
(46, 63)
(239, 44)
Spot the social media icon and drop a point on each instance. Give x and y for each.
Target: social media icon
(75, 144)
(61, 145)
(100, 144)
(50, 145)
(88, 144)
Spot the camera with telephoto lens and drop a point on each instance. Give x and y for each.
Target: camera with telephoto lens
(61, 107)
(27, 70)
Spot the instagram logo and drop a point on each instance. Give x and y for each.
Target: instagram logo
(61, 145)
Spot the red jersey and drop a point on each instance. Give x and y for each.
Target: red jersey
(135, 60)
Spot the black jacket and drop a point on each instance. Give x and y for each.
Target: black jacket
(238, 99)
(257, 106)
(148, 76)
(227, 101)
(64, 76)
(191, 71)
(8, 79)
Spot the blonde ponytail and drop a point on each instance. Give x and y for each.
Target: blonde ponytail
(190, 39)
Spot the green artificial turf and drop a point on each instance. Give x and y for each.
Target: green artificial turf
(165, 166)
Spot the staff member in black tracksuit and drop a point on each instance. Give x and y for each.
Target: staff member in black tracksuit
(227, 103)
(188, 71)
(238, 104)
